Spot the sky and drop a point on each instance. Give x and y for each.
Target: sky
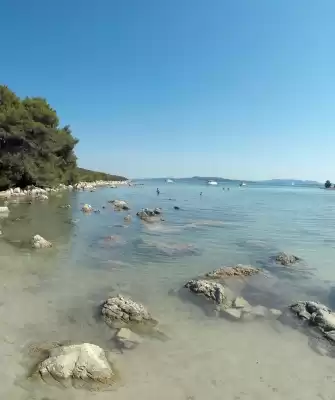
(241, 89)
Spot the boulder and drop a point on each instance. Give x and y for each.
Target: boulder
(305, 309)
(232, 313)
(120, 205)
(286, 259)
(85, 364)
(127, 339)
(87, 208)
(240, 302)
(212, 291)
(38, 242)
(124, 310)
(149, 215)
(238, 270)
(43, 197)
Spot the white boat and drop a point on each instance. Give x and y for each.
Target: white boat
(213, 183)
(243, 184)
(169, 181)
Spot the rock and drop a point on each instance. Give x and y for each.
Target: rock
(240, 302)
(127, 218)
(127, 339)
(305, 309)
(4, 210)
(286, 259)
(212, 291)
(120, 205)
(148, 215)
(275, 313)
(330, 335)
(324, 320)
(232, 313)
(65, 206)
(238, 270)
(87, 208)
(43, 197)
(259, 311)
(85, 363)
(176, 208)
(38, 242)
(125, 310)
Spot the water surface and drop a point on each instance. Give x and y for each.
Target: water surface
(53, 294)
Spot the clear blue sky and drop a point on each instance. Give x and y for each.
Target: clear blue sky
(240, 89)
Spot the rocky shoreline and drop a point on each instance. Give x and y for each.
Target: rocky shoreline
(33, 191)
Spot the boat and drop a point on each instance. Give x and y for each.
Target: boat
(169, 181)
(243, 184)
(213, 183)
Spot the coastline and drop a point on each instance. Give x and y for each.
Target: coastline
(37, 192)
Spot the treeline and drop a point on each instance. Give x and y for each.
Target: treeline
(34, 148)
(86, 175)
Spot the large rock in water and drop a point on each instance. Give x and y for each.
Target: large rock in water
(38, 242)
(121, 309)
(120, 205)
(212, 291)
(238, 270)
(149, 215)
(286, 259)
(316, 314)
(78, 365)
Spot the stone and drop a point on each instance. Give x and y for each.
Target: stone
(240, 302)
(127, 339)
(127, 218)
(233, 313)
(87, 208)
(121, 309)
(238, 270)
(38, 242)
(330, 335)
(305, 309)
(212, 291)
(324, 320)
(120, 205)
(259, 311)
(286, 259)
(4, 209)
(149, 215)
(275, 313)
(86, 363)
(43, 197)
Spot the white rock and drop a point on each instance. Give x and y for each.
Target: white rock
(128, 339)
(234, 313)
(275, 313)
(240, 302)
(4, 209)
(43, 197)
(17, 190)
(80, 361)
(38, 242)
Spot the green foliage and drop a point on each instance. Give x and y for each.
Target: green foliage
(328, 184)
(86, 175)
(34, 149)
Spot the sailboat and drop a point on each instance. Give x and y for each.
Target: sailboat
(169, 181)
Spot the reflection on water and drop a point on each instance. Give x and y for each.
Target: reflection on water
(53, 295)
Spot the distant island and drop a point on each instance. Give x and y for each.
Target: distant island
(34, 148)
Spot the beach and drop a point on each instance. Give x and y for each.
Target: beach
(54, 294)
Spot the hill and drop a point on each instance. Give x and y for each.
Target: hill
(87, 175)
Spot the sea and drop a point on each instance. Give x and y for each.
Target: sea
(54, 295)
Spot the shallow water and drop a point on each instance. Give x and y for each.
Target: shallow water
(54, 294)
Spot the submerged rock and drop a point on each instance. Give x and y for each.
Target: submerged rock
(120, 205)
(238, 270)
(286, 259)
(316, 314)
(121, 309)
(87, 208)
(127, 218)
(38, 242)
(149, 215)
(127, 339)
(83, 364)
(233, 313)
(215, 292)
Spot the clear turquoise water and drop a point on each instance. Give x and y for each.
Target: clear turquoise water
(53, 295)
